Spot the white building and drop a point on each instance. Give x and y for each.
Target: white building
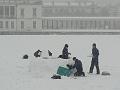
(20, 15)
(29, 16)
(55, 16)
(7, 16)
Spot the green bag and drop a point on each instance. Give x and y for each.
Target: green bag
(64, 71)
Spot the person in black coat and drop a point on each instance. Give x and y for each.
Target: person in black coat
(78, 66)
(94, 62)
(65, 53)
(37, 53)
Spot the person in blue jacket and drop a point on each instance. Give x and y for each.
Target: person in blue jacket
(78, 66)
(94, 62)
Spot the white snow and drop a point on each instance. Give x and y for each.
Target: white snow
(35, 73)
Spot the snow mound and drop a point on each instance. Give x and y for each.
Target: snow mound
(42, 68)
(44, 53)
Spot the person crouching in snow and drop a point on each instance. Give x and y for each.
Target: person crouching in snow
(65, 53)
(78, 66)
(37, 53)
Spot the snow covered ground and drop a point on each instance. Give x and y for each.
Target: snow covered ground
(34, 74)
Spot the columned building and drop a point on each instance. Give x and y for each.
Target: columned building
(57, 16)
(78, 16)
(7, 16)
(20, 15)
(29, 16)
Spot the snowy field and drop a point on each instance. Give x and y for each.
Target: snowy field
(35, 74)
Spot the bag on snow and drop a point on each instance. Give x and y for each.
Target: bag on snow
(64, 71)
(25, 56)
(56, 77)
(105, 73)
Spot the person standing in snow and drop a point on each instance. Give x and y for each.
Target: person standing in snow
(94, 62)
(78, 66)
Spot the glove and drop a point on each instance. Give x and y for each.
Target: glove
(69, 66)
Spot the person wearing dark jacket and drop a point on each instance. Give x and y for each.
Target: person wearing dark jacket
(37, 53)
(65, 53)
(78, 66)
(94, 62)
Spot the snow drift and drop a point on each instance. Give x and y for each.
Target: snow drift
(34, 74)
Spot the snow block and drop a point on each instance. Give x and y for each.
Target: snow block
(64, 71)
(105, 73)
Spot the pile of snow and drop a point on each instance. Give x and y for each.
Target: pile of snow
(45, 68)
(44, 53)
(19, 74)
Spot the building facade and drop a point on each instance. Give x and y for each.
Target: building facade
(54, 16)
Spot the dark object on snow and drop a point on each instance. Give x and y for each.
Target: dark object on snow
(56, 77)
(50, 54)
(25, 56)
(60, 56)
(105, 73)
(37, 53)
(79, 74)
(94, 62)
(69, 66)
(78, 66)
(65, 53)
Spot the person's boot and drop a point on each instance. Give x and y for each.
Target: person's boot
(83, 73)
(91, 69)
(98, 70)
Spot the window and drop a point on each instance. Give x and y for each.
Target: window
(1, 11)
(34, 12)
(22, 12)
(1, 24)
(34, 24)
(6, 24)
(12, 24)
(44, 24)
(6, 11)
(12, 11)
(22, 24)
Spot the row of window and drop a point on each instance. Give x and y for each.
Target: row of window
(7, 24)
(74, 11)
(80, 24)
(11, 24)
(66, 24)
(7, 11)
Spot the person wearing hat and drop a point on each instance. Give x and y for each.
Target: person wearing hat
(65, 53)
(78, 66)
(94, 62)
